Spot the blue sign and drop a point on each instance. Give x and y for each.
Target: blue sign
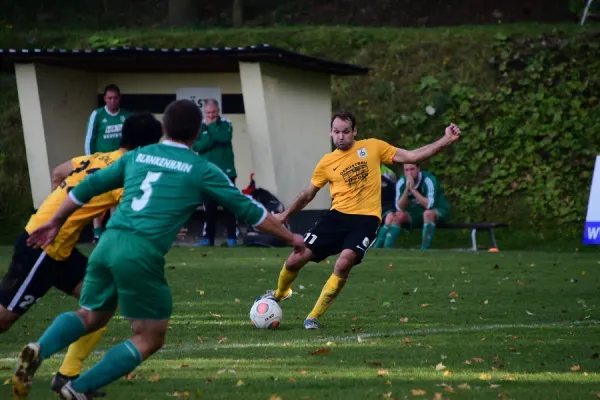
(591, 234)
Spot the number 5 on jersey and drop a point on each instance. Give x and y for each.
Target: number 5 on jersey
(138, 203)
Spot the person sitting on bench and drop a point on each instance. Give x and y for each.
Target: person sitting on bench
(420, 203)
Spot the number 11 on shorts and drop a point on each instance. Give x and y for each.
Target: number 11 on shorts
(310, 238)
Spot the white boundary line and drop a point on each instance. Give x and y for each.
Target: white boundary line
(405, 332)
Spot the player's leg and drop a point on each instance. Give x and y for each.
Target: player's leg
(322, 240)
(210, 224)
(70, 280)
(98, 301)
(28, 279)
(145, 299)
(361, 235)
(430, 219)
(388, 218)
(396, 221)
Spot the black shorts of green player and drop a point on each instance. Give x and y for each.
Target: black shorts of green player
(336, 231)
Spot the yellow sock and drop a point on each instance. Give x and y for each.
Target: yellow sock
(79, 351)
(332, 288)
(286, 278)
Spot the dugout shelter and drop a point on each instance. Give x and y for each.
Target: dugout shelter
(278, 101)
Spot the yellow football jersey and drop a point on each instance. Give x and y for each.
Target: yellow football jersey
(354, 176)
(69, 234)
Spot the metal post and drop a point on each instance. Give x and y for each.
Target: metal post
(585, 11)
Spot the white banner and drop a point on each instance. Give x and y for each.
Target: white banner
(199, 95)
(591, 234)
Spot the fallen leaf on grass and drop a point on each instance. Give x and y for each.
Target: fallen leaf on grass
(468, 362)
(320, 351)
(180, 394)
(447, 373)
(236, 300)
(453, 294)
(464, 386)
(7, 382)
(216, 315)
(494, 386)
(239, 383)
(512, 348)
(390, 267)
(575, 368)
(520, 282)
(154, 378)
(404, 320)
(387, 395)
(130, 376)
(486, 302)
(223, 339)
(381, 372)
(514, 337)
(184, 365)
(376, 364)
(407, 340)
(529, 312)
(440, 367)
(354, 318)
(291, 380)
(437, 396)
(598, 395)
(274, 397)
(418, 392)
(482, 339)
(477, 360)
(485, 377)
(425, 305)
(388, 382)
(200, 339)
(200, 291)
(449, 389)
(304, 372)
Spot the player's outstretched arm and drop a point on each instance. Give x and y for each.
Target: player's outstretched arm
(451, 135)
(301, 201)
(46, 233)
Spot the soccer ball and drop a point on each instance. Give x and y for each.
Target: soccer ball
(265, 314)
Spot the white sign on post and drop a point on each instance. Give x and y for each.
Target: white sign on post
(199, 95)
(591, 234)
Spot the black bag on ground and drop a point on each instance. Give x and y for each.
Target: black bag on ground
(254, 238)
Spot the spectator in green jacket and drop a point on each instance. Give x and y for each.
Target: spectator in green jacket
(214, 144)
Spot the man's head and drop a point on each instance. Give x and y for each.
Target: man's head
(140, 129)
(211, 110)
(412, 171)
(343, 130)
(112, 98)
(182, 121)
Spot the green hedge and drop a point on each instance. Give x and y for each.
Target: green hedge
(526, 97)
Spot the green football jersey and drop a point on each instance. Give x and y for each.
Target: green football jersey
(163, 185)
(103, 133)
(428, 186)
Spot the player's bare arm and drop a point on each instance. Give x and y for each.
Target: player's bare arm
(272, 226)
(423, 201)
(403, 202)
(60, 173)
(46, 233)
(416, 156)
(301, 201)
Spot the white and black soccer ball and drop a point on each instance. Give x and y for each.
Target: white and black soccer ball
(266, 314)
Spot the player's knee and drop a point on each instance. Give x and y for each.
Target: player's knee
(345, 262)
(390, 218)
(296, 261)
(7, 319)
(402, 217)
(429, 216)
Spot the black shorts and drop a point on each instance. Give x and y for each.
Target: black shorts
(336, 231)
(32, 273)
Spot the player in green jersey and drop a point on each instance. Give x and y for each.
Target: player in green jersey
(163, 185)
(103, 134)
(420, 203)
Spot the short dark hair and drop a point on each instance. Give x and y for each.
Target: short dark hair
(140, 129)
(112, 88)
(182, 120)
(344, 116)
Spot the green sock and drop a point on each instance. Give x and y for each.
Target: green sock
(117, 362)
(428, 232)
(65, 329)
(392, 235)
(98, 231)
(381, 236)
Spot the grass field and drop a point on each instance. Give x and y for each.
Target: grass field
(409, 324)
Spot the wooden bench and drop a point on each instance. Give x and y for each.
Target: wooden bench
(474, 227)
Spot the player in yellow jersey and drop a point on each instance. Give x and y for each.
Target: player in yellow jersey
(33, 271)
(349, 228)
